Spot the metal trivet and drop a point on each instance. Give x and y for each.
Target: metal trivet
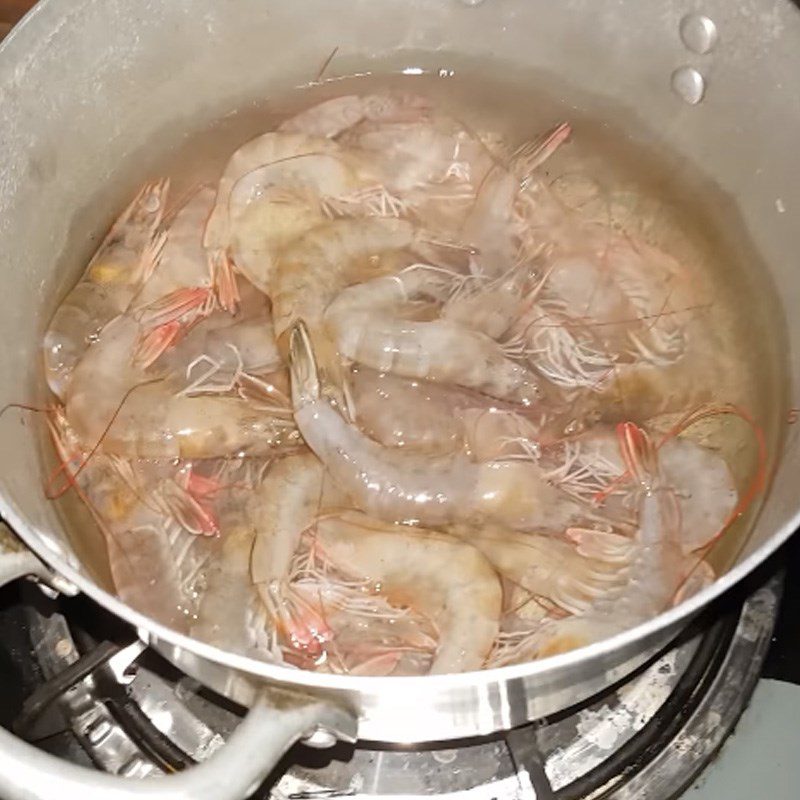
(649, 736)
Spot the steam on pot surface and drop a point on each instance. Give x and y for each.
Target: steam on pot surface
(402, 375)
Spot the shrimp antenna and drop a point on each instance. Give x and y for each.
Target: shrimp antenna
(24, 407)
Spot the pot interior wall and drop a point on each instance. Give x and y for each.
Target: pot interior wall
(85, 85)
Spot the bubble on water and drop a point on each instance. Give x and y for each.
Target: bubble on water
(471, 2)
(698, 33)
(689, 84)
(446, 73)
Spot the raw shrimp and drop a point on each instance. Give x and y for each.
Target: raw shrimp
(365, 633)
(228, 594)
(590, 468)
(221, 350)
(394, 484)
(135, 412)
(260, 163)
(491, 306)
(230, 614)
(494, 226)
(422, 154)
(427, 170)
(332, 117)
(179, 291)
(619, 334)
(546, 568)
(417, 415)
(311, 272)
(364, 324)
(126, 258)
(328, 258)
(271, 206)
(637, 298)
(656, 564)
(438, 575)
(154, 562)
(286, 504)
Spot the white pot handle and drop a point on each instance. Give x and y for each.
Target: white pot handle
(231, 773)
(276, 721)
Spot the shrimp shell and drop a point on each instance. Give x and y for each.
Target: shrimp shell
(366, 330)
(393, 484)
(277, 203)
(267, 149)
(229, 614)
(655, 563)
(439, 576)
(182, 264)
(125, 258)
(381, 405)
(316, 268)
(138, 413)
(285, 505)
(154, 562)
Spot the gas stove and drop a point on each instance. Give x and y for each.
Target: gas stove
(78, 683)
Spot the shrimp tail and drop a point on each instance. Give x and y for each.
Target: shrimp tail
(153, 344)
(638, 453)
(189, 499)
(168, 319)
(306, 387)
(298, 620)
(223, 279)
(531, 156)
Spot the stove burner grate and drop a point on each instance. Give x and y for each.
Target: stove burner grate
(135, 715)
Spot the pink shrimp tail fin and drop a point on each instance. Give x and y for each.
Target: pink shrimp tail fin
(168, 319)
(155, 343)
(201, 491)
(223, 279)
(188, 301)
(192, 510)
(307, 630)
(638, 453)
(532, 155)
(299, 619)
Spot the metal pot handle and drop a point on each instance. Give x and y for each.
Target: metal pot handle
(231, 773)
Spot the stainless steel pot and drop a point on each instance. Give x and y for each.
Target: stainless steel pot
(84, 83)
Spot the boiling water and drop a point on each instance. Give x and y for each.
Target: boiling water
(616, 170)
